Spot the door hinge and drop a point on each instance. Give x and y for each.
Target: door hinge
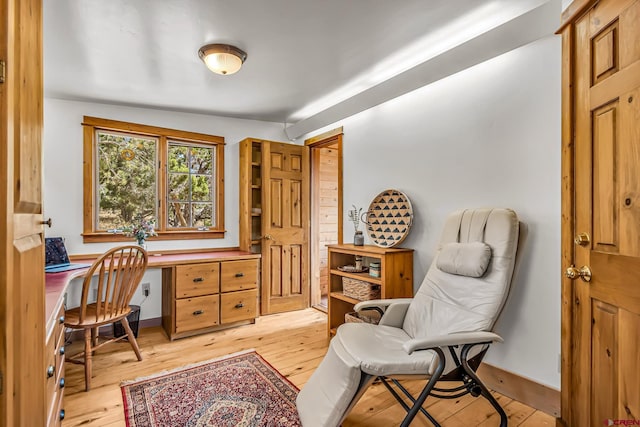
(2, 71)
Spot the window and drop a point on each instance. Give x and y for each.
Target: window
(134, 171)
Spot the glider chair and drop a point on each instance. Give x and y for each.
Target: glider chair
(440, 335)
(117, 273)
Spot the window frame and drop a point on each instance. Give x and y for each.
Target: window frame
(164, 135)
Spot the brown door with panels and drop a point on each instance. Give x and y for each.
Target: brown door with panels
(604, 384)
(285, 210)
(22, 296)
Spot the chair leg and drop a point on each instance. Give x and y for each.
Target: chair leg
(425, 392)
(484, 390)
(88, 354)
(131, 337)
(94, 336)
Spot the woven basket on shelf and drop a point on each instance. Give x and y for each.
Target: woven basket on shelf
(370, 316)
(359, 289)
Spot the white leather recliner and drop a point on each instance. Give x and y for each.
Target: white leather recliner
(441, 334)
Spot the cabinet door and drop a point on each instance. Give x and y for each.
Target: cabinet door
(285, 247)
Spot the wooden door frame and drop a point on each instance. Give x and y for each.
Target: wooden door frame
(332, 137)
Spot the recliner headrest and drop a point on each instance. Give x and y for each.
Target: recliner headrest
(464, 259)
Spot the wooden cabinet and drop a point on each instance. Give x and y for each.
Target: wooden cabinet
(395, 281)
(54, 354)
(251, 195)
(274, 219)
(204, 297)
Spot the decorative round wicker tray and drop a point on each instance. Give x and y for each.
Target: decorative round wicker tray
(389, 218)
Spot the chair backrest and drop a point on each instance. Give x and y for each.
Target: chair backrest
(118, 273)
(469, 279)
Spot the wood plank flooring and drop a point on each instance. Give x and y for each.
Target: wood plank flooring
(294, 343)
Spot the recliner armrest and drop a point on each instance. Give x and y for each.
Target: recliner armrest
(381, 303)
(396, 310)
(458, 338)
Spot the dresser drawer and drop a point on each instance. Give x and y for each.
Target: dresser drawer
(196, 313)
(54, 353)
(56, 411)
(236, 306)
(197, 279)
(239, 275)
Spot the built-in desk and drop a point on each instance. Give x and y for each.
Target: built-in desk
(201, 292)
(56, 283)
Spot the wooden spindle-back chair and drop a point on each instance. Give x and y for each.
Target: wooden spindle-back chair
(118, 273)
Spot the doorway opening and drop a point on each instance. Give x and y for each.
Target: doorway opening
(326, 208)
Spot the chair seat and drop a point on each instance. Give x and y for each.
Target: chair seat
(72, 317)
(379, 350)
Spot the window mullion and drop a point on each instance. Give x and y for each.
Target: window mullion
(163, 177)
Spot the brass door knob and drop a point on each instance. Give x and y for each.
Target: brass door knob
(582, 239)
(583, 273)
(268, 237)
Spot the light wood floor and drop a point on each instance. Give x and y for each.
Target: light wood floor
(294, 343)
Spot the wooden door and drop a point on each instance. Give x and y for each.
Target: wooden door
(285, 211)
(605, 323)
(22, 324)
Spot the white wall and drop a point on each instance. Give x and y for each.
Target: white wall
(487, 136)
(63, 184)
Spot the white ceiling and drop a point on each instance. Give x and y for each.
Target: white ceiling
(304, 56)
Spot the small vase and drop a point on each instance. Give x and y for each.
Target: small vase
(143, 244)
(358, 239)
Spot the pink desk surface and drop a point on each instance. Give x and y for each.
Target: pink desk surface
(56, 283)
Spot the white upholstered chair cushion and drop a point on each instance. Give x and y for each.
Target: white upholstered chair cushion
(379, 351)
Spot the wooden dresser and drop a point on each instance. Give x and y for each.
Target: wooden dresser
(202, 297)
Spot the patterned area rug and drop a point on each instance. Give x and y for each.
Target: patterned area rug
(237, 390)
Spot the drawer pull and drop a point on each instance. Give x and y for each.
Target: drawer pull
(239, 274)
(61, 351)
(50, 371)
(61, 320)
(61, 414)
(61, 382)
(198, 279)
(239, 305)
(198, 312)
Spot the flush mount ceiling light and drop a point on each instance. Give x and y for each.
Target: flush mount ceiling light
(222, 58)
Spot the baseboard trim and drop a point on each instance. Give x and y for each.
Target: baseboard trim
(522, 389)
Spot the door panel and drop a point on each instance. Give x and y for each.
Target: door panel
(22, 303)
(276, 202)
(604, 359)
(605, 227)
(607, 194)
(286, 228)
(629, 392)
(295, 204)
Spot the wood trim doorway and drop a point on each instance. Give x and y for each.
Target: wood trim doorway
(326, 208)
